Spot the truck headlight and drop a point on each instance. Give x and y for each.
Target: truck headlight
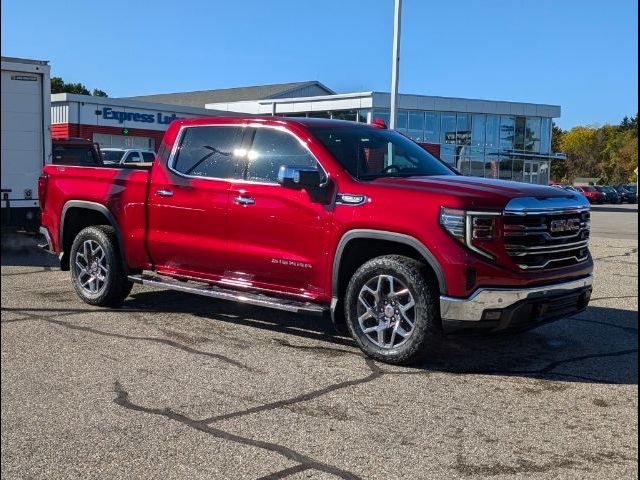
(469, 227)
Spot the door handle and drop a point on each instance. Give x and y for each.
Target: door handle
(244, 200)
(164, 193)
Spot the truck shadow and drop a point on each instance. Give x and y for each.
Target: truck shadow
(599, 345)
(611, 209)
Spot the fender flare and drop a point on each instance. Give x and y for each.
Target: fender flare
(85, 204)
(390, 236)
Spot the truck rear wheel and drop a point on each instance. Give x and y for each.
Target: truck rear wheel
(391, 310)
(97, 271)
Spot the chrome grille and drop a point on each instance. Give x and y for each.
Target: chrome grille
(547, 238)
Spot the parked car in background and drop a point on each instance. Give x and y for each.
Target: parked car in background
(128, 156)
(627, 194)
(592, 194)
(568, 187)
(611, 195)
(75, 151)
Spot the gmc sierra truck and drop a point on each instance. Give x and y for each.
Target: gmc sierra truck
(323, 216)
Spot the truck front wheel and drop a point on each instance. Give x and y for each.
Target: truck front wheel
(97, 272)
(391, 310)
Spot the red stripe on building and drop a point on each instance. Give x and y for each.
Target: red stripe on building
(65, 130)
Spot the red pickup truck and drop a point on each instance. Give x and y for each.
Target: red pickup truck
(315, 216)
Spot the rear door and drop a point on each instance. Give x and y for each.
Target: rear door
(277, 235)
(188, 202)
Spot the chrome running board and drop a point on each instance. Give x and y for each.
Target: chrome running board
(251, 298)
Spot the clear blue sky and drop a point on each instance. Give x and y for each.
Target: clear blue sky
(580, 54)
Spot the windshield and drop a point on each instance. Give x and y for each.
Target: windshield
(589, 189)
(632, 188)
(112, 155)
(368, 153)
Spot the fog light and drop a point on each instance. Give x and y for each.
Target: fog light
(492, 314)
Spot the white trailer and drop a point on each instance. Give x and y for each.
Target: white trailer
(26, 137)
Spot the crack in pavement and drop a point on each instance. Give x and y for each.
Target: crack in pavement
(619, 297)
(621, 327)
(548, 369)
(376, 372)
(122, 399)
(162, 341)
(625, 254)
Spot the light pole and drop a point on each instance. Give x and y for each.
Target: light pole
(395, 64)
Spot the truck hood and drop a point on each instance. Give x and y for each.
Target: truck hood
(474, 192)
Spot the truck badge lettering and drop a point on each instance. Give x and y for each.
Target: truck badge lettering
(291, 263)
(569, 225)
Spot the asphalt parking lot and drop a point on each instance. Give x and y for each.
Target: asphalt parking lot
(176, 386)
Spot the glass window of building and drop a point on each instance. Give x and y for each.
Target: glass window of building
(448, 154)
(532, 135)
(382, 114)
(507, 130)
(432, 127)
(351, 115)
(363, 115)
(506, 168)
(545, 135)
(478, 130)
(493, 131)
(491, 164)
(544, 173)
(518, 165)
(462, 160)
(319, 114)
(448, 132)
(416, 126)
(463, 136)
(518, 142)
(476, 162)
(401, 121)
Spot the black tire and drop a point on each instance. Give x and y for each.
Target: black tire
(426, 336)
(116, 286)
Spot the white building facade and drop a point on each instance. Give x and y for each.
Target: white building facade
(493, 139)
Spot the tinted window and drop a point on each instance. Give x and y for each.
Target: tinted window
(372, 153)
(272, 148)
(75, 155)
(113, 156)
(148, 156)
(210, 152)
(133, 157)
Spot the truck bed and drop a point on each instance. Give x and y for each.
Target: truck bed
(123, 191)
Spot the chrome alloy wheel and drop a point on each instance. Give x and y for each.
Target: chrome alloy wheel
(91, 267)
(386, 312)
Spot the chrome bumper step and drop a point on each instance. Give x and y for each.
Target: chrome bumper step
(248, 297)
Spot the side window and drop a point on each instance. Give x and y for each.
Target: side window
(133, 157)
(272, 148)
(148, 157)
(212, 152)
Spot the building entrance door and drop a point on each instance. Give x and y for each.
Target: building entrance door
(531, 171)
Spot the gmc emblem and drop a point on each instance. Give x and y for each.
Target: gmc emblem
(569, 225)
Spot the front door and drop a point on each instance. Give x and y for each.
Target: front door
(188, 203)
(531, 171)
(278, 236)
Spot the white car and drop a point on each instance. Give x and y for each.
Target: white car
(127, 156)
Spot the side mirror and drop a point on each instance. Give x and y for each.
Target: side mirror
(294, 176)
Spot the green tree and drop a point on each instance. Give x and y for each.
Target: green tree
(558, 167)
(58, 85)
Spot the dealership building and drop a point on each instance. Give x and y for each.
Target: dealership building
(494, 139)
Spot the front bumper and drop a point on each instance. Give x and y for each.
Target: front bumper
(501, 308)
